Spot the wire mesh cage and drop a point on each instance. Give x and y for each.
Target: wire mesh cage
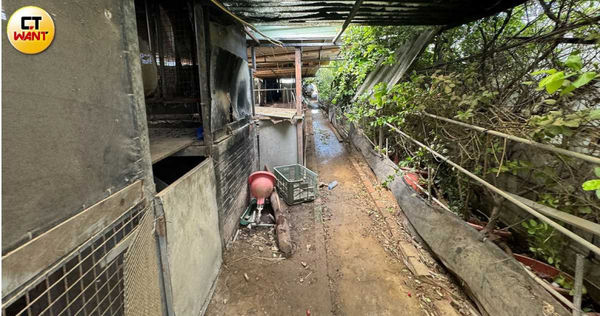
(296, 183)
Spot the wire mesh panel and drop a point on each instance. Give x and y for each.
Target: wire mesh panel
(141, 272)
(296, 183)
(89, 281)
(168, 31)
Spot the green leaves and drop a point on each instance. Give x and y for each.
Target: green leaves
(585, 78)
(574, 62)
(553, 82)
(464, 115)
(556, 81)
(543, 242)
(593, 185)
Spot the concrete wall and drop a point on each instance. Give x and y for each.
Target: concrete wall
(277, 144)
(193, 240)
(72, 120)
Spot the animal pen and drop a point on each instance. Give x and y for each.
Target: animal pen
(125, 172)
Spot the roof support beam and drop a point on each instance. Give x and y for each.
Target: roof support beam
(299, 129)
(299, 44)
(247, 30)
(348, 20)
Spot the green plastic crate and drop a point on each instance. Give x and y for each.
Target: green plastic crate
(296, 183)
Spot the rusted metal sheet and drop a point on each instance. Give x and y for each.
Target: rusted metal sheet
(405, 56)
(411, 12)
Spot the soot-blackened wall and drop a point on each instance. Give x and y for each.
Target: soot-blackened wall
(234, 151)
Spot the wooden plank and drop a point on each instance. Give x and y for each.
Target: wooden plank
(444, 308)
(169, 141)
(579, 222)
(194, 151)
(276, 112)
(27, 261)
(201, 26)
(412, 258)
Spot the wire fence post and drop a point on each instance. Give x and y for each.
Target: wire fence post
(429, 182)
(380, 137)
(578, 286)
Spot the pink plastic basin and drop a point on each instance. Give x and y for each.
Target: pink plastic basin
(261, 185)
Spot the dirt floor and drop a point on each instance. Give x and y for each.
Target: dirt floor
(346, 259)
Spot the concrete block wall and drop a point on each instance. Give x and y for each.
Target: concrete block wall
(235, 158)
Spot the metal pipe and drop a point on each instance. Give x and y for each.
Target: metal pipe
(549, 288)
(299, 129)
(276, 89)
(148, 29)
(578, 285)
(551, 148)
(504, 194)
(348, 20)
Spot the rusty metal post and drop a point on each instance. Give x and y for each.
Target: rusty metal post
(429, 183)
(299, 129)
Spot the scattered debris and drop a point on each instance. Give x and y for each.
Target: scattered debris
(445, 308)
(332, 185)
(306, 277)
(237, 232)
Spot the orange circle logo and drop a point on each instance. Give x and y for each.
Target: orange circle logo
(30, 30)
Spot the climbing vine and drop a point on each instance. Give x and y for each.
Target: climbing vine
(531, 71)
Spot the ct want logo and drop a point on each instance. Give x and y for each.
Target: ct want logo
(30, 30)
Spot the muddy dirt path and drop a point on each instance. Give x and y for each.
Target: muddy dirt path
(344, 262)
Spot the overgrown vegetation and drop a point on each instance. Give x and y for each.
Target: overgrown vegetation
(532, 71)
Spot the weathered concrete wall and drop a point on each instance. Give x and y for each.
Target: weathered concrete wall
(278, 144)
(193, 239)
(73, 118)
(235, 159)
(498, 282)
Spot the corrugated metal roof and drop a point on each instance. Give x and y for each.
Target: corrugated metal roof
(371, 12)
(297, 32)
